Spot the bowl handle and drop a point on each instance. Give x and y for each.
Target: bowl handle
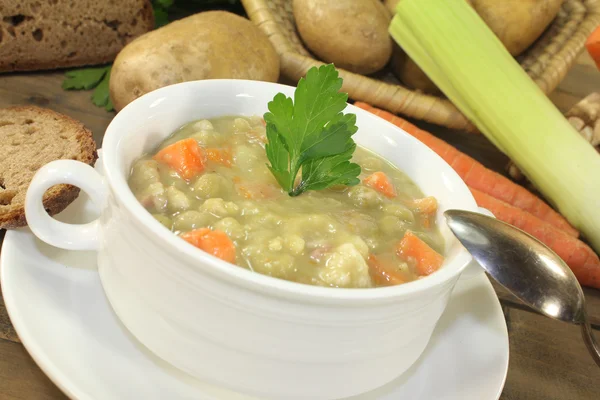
(56, 233)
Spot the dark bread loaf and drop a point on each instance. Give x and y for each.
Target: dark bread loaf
(48, 34)
(31, 137)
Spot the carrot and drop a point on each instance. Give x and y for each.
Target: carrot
(426, 209)
(216, 243)
(184, 156)
(412, 249)
(220, 156)
(479, 177)
(380, 182)
(582, 260)
(426, 205)
(384, 274)
(592, 44)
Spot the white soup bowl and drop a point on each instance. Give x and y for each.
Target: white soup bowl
(227, 325)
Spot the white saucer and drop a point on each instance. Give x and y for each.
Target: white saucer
(58, 308)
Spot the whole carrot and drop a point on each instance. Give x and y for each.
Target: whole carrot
(582, 260)
(479, 177)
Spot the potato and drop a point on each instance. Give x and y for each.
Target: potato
(517, 23)
(208, 45)
(410, 74)
(351, 34)
(391, 5)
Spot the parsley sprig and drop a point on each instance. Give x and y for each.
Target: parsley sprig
(96, 78)
(310, 135)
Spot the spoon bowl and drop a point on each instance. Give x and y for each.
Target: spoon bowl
(525, 267)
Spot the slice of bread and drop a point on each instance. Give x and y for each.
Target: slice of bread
(31, 137)
(49, 34)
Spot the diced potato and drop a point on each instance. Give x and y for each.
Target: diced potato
(345, 267)
(311, 224)
(265, 261)
(264, 219)
(259, 236)
(359, 244)
(399, 211)
(241, 125)
(372, 242)
(294, 243)
(392, 225)
(204, 125)
(364, 197)
(371, 164)
(154, 196)
(177, 200)
(208, 138)
(143, 173)
(220, 208)
(232, 208)
(212, 185)
(361, 224)
(276, 244)
(163, 219)
(231, 227)
(246, 157)
(248, 207)
(256, 120)
(191, 219)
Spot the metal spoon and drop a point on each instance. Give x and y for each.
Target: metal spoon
(525, 267)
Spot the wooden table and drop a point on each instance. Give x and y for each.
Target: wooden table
(548, 360)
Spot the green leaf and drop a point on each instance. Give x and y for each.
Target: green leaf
(161, 17)
(164, 3)
(310, 133)
(85, 78)
(328, 171)
(101, 95)
(332, 139)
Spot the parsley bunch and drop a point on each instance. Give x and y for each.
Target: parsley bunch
(310, 135)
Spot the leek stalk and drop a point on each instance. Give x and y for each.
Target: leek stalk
(463, 57)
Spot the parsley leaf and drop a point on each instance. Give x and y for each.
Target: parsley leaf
(101, 95)
(86, 78)
(161, 17)
(90, 78)
(310, 133)
(163, 3)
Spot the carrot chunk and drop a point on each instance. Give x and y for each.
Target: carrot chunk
(426, 209)
(216, 243)
(384, 274)
(380, 182)
(414, 250)
(184, 156)
(221, 156)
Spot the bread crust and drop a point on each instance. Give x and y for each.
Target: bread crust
(58, 197)
(42, 35)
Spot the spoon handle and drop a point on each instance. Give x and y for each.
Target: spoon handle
(590, 341)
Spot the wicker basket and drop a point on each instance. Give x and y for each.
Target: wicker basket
(547, 61)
